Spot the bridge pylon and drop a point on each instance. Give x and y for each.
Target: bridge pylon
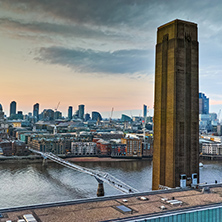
(44, 161)
(100, 190)
(100, 176)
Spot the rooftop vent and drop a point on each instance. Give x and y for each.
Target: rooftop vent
(143, 198)
(206, 190)
(174, 202)
(124, 209)
(162, 207)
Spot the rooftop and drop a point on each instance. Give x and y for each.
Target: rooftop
(119, 207)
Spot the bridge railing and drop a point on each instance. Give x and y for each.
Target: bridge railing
(99, 175)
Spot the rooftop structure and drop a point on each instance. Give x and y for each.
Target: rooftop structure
(203, 104)
(70, 112)
(12, 108)
(176, 105)
(174, 205)
(36, 112)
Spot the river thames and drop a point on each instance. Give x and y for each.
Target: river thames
(25, 184)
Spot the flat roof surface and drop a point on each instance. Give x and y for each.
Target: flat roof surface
(96, 210)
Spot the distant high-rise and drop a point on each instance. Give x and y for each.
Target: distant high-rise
(48, 114)
(70, 113)
(96, 116)
(144, 111)
(125, 118)
(1, 112)
(36, 112)
(203, 104)
(176, 108)
(76, 114)
(19, 115)
(87, 117)
(57, 115)
(12, 108)
(81, 111)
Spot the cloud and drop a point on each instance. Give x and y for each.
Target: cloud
(138, 14)
(109, 25)
(97, 12)
(53, 28)
(215, 102)
(115, 12)
(130, 20)
(122, 61)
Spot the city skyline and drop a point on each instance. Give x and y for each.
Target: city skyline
(98, 53)
(115, 114)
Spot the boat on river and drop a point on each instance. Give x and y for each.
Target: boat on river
(200, 164)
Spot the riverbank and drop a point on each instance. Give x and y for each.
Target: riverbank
(38, 159)
(22, 159)
(211, 157)
(97, 159)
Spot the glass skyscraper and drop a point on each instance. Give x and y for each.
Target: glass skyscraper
(70, 113)
(12, 108)
(203, 104)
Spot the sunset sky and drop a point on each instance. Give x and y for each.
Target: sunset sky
(97, 52)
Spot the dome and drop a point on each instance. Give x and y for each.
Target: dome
(1, 108)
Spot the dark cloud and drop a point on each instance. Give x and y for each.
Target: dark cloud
(95, 12)
(107, 18)
(117, 12)
(123, 61)
(59, 29)
(109, 25)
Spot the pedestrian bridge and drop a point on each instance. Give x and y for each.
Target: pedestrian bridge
(99, 175)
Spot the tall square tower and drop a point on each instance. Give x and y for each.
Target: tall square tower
(176, 106)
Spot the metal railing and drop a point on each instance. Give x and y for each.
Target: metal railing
(99, 175)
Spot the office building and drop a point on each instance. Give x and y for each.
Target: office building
(1, 112)
(83, 148)
(76, 114)
(48, 114)
(36, 112)
(144, 112)
(81, 111)
(87, 116)
(176, 128)
(19, 115)
(203, 104)
(96, 116)
(208, 122)
(70, 113)
(57, 115)
(12, 108)
(125, 118)
(133, 145)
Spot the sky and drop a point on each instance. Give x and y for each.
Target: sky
(100, 53)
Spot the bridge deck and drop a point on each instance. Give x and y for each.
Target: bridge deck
(99, 175)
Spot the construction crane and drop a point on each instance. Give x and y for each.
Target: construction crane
(57, 106)
(55, 128)
(111, 115)
(218, 116)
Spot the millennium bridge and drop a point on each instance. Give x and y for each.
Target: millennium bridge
(99, 175)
